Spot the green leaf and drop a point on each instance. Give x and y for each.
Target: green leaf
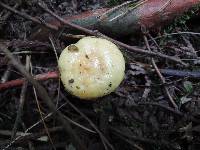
(188, 86)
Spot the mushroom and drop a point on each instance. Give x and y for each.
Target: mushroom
(91, 68)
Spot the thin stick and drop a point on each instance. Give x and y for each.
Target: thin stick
(131, 8)
(19, 82)
(40, 112)
(180, 73)
(104, 15)
(160, 75)
(55, 51)
(164, 107)
(21, 102)
(176, 33)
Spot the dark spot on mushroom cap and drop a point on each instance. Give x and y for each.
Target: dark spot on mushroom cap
(110, 85)
(72, 48)
(86, 56)
(77, 87)
(71, 81)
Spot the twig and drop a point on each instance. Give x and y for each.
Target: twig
(28, 136)
(180, 73)
(56, 55)
(26, 52)
(79, 125)
(30, 143)
(160, 75)
(42, 93)
(104, 15)
(40, 112)
(169, 109)
(135, 5)
(21, 102)
(164, 6)
(178, 33)
(19, 82)
(130, 142)
(176, 112)
(25, 44)
(190, 46)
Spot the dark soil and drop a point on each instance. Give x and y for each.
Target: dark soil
(138, 115)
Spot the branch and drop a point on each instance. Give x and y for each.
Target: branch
(128, 18)
(19, 82)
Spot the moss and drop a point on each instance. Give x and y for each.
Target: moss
(114, 2)
(181, 21)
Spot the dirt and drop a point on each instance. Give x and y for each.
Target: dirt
(138, 115)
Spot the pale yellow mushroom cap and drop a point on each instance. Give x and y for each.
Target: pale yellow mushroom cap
(91, 68)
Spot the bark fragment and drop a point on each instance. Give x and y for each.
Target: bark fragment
(129, 17)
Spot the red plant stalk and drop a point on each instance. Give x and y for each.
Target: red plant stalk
(19, 82)
(128, 18)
